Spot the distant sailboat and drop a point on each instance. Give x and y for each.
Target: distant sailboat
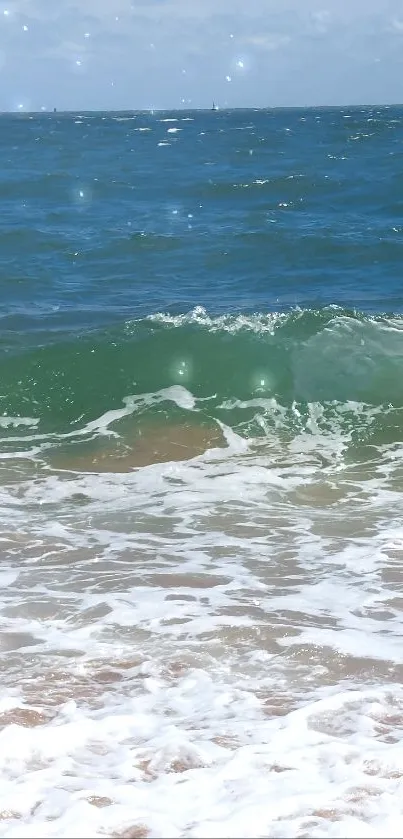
(215, 107)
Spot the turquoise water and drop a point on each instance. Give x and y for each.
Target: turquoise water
(201, 397)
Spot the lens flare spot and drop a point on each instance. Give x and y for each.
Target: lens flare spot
(82, 197)
(262, 382)
(181, 370)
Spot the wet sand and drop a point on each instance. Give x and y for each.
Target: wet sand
(150, 445)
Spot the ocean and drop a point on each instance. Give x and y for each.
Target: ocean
(201, 473)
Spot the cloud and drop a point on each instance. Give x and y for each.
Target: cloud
(134, 53)
(268, 41)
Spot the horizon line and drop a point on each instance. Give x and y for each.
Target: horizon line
(216, 109)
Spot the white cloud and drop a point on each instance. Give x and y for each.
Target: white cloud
(321, 21)
(396, 25)
(268, 42)
(98, 53)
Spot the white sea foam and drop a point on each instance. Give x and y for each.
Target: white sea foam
(209, 647)
(230, 323)
(342, 325)
(29, 422)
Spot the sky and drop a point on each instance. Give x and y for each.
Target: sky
(140, 54)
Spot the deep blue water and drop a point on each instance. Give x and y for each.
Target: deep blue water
(241, 210)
